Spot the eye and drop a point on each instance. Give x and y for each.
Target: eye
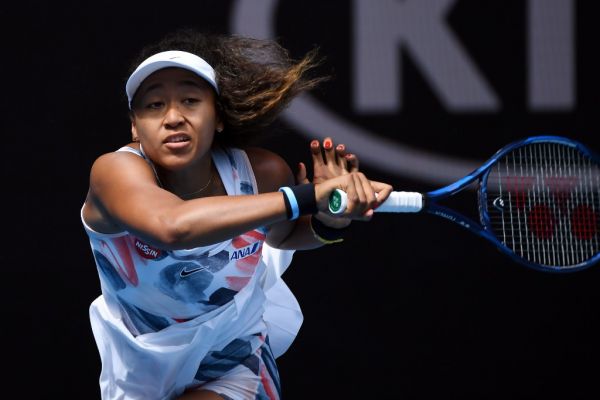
(191, 101)
(154, 105)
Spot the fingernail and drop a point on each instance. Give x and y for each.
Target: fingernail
(314, 143)
(340, 147)
(328, 144)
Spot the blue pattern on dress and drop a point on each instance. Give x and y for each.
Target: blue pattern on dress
(109, 272)
(269, 359)
(246, 187)
(143, 321)
(185, 281)
(217, 363)
(220, 296)
(231, 158)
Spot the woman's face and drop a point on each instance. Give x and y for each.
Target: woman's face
(174, 117)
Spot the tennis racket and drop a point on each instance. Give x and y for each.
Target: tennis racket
(538, 202)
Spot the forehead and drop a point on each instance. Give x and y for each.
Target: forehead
(172, 76)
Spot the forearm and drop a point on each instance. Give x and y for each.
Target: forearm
(209, 220)
(299, 238)
(311, 232)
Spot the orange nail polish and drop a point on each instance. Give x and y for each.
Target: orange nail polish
(327, 144)
(314, 143)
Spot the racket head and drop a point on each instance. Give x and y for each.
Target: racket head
(540, 199)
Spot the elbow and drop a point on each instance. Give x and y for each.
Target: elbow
(172, 234)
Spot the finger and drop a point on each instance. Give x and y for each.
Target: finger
(317, 156)
(361, 196)
(366, 216)
(324, 188)
(383, 191)
(340, 151)
(370, 201)
(351, 162)
(329, 151)
(301, 174)
(370, 193)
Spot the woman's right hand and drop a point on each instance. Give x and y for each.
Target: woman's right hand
(364, 195)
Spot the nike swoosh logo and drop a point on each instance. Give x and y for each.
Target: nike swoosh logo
(187, 272)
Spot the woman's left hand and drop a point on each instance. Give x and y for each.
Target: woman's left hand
(329, 161)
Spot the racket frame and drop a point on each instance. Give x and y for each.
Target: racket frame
(484, 227)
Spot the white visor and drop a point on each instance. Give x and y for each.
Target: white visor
(173, 58)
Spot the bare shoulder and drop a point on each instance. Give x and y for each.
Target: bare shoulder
(112, 174)
(270, 169)
(110, 166)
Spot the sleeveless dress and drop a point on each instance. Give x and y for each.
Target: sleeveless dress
(170, 321)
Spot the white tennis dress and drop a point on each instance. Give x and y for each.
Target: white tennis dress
(162, 312)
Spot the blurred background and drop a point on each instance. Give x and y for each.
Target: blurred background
(408, 306)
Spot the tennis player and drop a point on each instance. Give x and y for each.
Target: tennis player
(191, 228)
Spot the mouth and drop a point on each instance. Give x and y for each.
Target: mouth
(177, 140)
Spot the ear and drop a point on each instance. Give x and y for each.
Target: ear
(134, 134)
(220, 126)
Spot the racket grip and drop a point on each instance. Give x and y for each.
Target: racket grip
(402, 202)
(397, 202)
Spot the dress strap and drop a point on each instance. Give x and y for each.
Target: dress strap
(131, 150)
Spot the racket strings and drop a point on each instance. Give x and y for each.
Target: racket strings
(543, 202)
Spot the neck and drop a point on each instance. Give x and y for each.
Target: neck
(196, 181)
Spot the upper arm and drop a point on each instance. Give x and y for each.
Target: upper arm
(124, 188)
(270, 170)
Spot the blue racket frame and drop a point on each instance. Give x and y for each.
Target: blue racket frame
(484, 228)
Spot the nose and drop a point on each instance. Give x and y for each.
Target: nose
(173, 115)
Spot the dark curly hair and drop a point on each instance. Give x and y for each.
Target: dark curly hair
(257, 78)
